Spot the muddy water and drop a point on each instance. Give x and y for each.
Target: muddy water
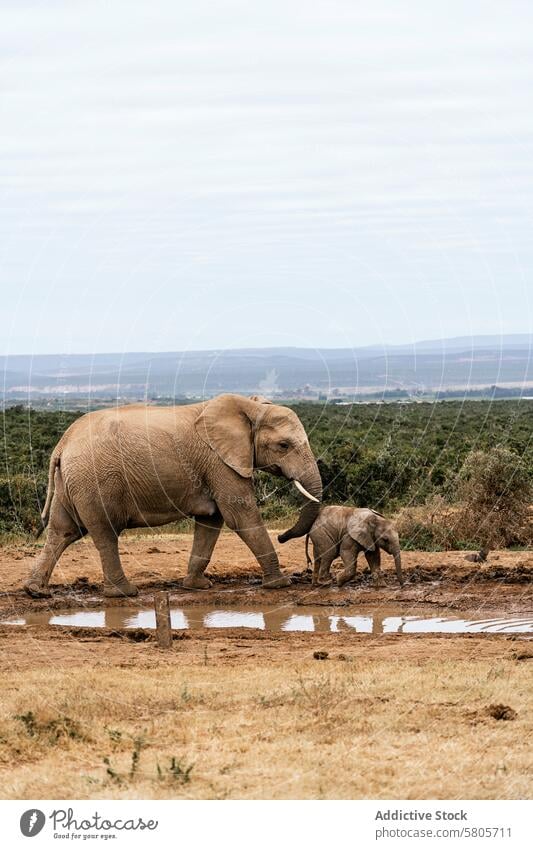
(378, 620)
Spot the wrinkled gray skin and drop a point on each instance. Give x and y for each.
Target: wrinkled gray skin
(344, 532)
(141, 466)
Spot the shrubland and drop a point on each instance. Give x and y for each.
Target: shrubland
(455, 473)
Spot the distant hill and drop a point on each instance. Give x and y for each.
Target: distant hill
(425, 367)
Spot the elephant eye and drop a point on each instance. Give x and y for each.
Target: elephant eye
(283, 445)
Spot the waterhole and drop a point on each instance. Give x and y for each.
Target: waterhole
(286, 618)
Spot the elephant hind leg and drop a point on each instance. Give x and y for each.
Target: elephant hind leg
(316, 565)
(349, 552)
(62, 532)
(116, 585)
(206, 532)
(324, 572)
(325, 550)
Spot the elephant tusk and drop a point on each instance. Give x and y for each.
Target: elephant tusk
(301, 489)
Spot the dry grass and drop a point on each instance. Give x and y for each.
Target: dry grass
(230, 714)
(166, 727)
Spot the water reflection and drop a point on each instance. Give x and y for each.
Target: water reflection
(385, 620)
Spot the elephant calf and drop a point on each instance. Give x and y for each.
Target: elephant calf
(344, 532)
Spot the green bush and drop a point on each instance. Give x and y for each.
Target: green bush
(21, 500)
(28, 440)
(386, 456)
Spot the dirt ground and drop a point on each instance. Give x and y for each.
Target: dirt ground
(242, 713)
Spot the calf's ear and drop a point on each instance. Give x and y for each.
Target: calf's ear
(360, 530)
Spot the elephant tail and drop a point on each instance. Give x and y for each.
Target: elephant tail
(45, 515)
(308, 559)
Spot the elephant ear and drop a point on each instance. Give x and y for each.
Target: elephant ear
(360, 530)
(226, 425)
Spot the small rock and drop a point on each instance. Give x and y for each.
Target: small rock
(479, 557)
(153, 550)
(81, 583)
(320, 655)
(138, 635)
(501, 712)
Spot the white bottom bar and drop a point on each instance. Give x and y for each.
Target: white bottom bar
(241, 825)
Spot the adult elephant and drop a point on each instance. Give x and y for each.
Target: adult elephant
(139, 465)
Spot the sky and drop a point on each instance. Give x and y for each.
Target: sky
(205, 175)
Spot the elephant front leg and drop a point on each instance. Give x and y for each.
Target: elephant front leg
(249, 526)
(373, 558)
(206, 532)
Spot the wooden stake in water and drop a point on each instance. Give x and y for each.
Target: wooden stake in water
(162, 620)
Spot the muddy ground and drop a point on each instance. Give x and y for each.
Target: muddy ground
(159, 562)
(58, 678)
(434, 580)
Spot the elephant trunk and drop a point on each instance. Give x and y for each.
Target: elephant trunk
(313, 486)
(398, 565)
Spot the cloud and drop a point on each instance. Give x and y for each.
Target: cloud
(306, 153)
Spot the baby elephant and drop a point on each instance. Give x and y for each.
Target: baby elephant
(346, 531)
